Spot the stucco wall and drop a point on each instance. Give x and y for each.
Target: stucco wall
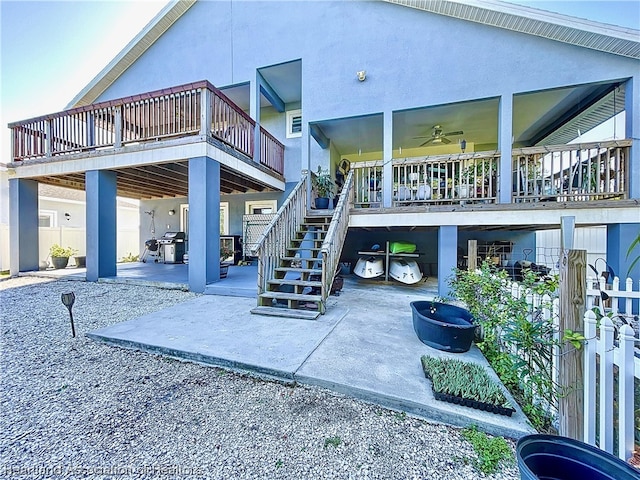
(412, 58)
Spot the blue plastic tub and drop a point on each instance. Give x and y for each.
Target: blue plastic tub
(443, 326)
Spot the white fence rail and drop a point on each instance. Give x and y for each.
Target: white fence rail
(604, 353)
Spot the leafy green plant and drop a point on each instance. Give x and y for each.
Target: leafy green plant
(333, 441)
(463, 379)
(634, 244)
(57, 251)
(322, 183)
(130, 258)
(491, 452)
(518, 339)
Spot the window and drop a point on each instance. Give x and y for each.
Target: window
(294, 123)
(224, 218)
(47, 218)
(261, 206)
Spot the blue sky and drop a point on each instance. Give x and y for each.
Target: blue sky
(51, 49)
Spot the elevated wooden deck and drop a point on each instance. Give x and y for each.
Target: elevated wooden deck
(148, 139)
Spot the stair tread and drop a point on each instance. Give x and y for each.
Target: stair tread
(315, 259)
(286, 312)
(300, 283)
(291, 296)
(300, 270)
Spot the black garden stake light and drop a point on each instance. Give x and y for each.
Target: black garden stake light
(67, 300)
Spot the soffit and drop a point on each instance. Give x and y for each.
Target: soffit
(554, 26)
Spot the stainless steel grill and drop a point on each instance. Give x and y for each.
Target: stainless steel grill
(172, 245)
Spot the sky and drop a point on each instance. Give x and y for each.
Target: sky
(50, 50)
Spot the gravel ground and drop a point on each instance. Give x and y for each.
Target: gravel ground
(74, 408)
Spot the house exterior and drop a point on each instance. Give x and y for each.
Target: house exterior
(451, 120)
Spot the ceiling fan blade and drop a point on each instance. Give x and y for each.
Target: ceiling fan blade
(445, 140)
(428, 141)
(424, 136)
(459, 132)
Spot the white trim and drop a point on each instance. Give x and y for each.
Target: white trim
(291, 114)
(53, 218)
(184, 217)
(250, 205)
(224, 207)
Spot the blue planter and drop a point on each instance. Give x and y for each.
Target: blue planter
(322, 203)
(443, 326)
(552, 457)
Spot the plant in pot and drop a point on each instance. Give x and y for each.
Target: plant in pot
(60, 255)
(225, 253)
(323, 186)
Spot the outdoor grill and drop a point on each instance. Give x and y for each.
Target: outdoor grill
(172, 245)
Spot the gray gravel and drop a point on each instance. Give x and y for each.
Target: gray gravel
(73, 408)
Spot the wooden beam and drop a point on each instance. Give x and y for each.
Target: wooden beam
(573, 295)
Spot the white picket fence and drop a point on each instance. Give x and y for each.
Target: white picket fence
(621, 352)
(612, 351)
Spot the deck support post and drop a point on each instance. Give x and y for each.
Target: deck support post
(254, 112)
(101, 191)
(573, 293)
(447, 256)
(23, 225)
(47, 138)
(204, 223)
(206, 115)
(505, 134)
(387, 167)
(632, 130)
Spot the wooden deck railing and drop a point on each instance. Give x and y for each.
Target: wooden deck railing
(278, 235)
(334, 240)
(163, 114)
(571, 173)
(559, 173)
(271, 151)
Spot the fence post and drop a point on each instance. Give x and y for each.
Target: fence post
(570, 365)
(590, 377)
(472, 255)
(626, 376)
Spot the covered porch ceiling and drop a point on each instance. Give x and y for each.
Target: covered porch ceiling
(549, 117)
(163, 180)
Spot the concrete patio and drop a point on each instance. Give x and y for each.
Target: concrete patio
(364, 346)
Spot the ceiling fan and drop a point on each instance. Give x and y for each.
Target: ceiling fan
(437, 137)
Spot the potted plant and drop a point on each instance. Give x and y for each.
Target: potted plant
(225, 253)
(323, 186)
(60, 255)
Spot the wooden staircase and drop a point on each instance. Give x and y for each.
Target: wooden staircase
(295, 289)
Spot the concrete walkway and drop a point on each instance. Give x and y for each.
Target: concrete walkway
(364, 347)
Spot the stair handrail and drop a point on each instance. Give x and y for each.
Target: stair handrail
(281, 230)
(331, 248)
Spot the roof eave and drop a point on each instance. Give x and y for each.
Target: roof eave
(554, 26)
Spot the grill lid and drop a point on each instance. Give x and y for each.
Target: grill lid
(172, 237)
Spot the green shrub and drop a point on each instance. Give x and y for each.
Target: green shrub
(57, 251)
